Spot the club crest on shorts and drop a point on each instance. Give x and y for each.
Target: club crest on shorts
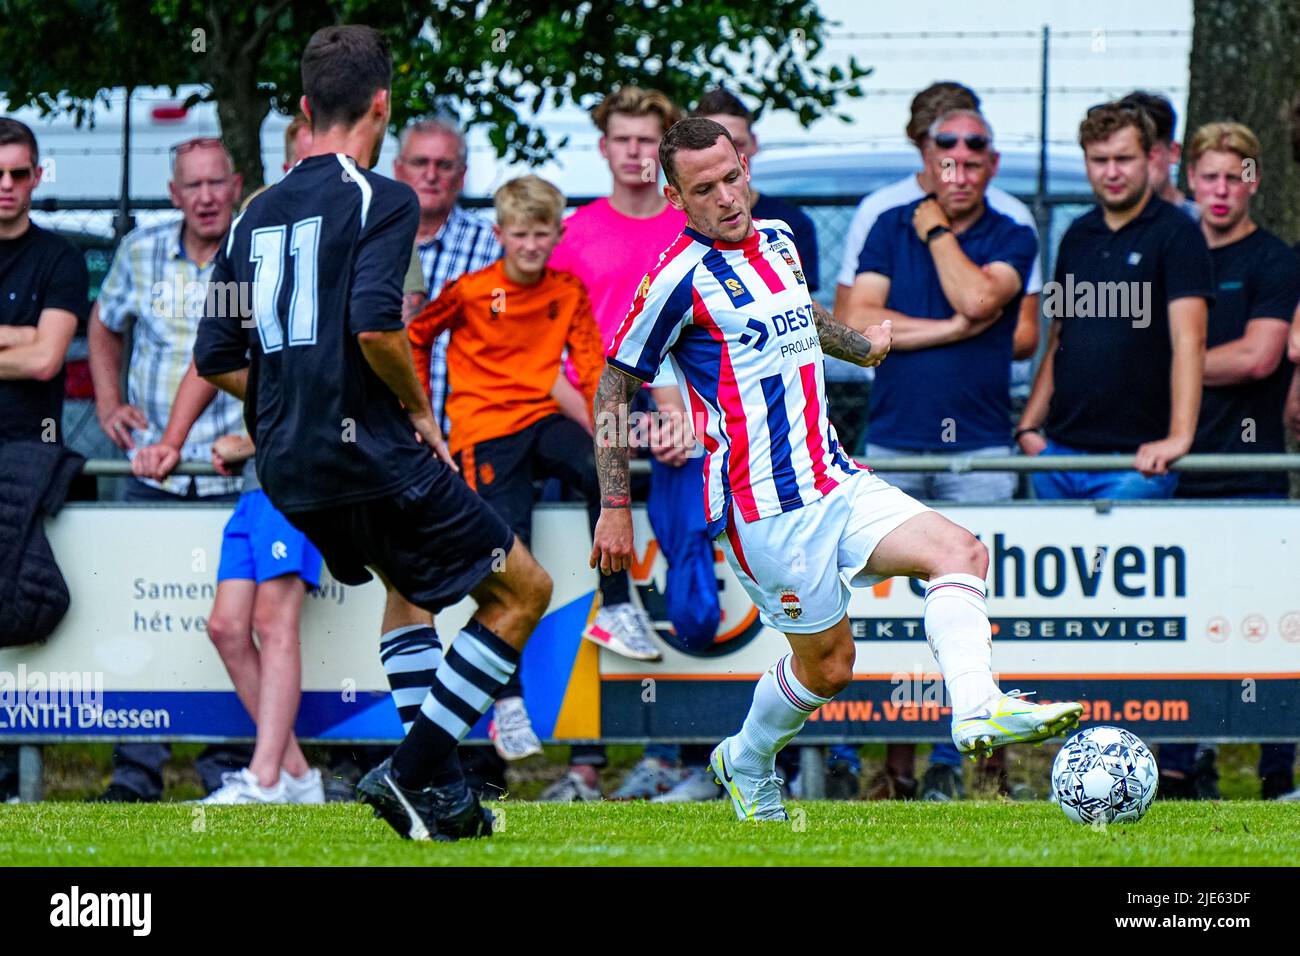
(790, 604)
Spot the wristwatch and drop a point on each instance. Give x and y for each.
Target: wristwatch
(934, 233)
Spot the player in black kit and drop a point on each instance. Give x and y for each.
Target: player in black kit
(316, 348)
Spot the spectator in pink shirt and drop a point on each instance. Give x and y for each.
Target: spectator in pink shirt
(611, 244)
(605, 241)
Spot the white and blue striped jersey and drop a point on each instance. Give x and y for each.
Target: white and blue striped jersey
(735, 320)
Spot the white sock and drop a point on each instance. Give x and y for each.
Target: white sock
(957, 627)
(781, 705)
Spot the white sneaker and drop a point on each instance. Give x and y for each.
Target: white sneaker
(1292, 797)
(1009, 719)
(512, 731)
(309, 788)
(696, 787)
(753, 798)
(241, 786)
(624, 629)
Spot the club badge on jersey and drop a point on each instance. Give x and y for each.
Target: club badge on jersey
(782, 248)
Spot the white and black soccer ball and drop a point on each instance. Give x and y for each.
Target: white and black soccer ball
(1106, 774)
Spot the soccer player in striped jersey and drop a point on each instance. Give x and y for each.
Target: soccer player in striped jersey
(333, 402)
(728, 307)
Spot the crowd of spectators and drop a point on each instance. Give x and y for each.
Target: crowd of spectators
(1198, 359)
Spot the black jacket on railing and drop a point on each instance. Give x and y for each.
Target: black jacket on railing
(34, 479)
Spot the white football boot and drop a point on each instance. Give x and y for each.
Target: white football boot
(752, 797)
(1009, 719)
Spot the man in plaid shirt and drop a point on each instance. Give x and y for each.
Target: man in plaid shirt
(450, 241)
(158, 283)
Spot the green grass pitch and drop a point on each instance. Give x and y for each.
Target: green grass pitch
(1239, 833)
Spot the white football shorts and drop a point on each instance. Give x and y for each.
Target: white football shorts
(797, 566)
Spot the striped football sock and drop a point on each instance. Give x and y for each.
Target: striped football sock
(411, 656)
(472, 672)
(781, 705)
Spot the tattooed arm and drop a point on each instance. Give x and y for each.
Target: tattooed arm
(612, 541)
(840, 341)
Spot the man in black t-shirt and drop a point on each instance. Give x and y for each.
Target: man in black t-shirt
(43, 294)
(1126, 346)
(303, 322)
(1257, 284)
(43, 290)
(1247, 374)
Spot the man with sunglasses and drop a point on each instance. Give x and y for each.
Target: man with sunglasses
(157, 286)
(950, 271)
(43, 288)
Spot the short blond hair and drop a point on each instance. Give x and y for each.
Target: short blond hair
(635, 101)
(1223, 137)
(529, 199)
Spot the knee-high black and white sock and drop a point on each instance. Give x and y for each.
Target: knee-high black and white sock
(411, 656)
(472, 672)
(957, 627)
(780, 708)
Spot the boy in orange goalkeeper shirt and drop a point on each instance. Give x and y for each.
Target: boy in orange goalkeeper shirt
(514, 415)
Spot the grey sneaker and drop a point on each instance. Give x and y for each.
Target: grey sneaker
(624, 629)
(649, 778)
(696, 787)
(570, 788)
(1292, 797)
(512, 731)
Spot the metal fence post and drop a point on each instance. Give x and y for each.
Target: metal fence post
(812, 773)
(31, 774)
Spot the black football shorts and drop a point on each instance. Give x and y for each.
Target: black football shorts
(434, 541)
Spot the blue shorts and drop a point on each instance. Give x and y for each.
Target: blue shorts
(260, 544)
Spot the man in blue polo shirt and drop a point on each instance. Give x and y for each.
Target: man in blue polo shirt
(1126, 348)
(949, 271)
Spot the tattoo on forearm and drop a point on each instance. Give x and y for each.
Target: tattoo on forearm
(612, 395)
(838, 340)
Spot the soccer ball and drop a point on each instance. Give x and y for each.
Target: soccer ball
(1104, 774)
